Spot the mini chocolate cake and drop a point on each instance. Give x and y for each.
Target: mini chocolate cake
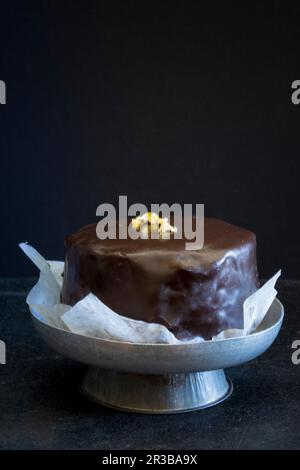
(192, 293)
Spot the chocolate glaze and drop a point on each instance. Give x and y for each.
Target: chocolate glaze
(190, 292)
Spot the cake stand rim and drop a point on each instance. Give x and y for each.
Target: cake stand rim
(161, 358)
(167, 345)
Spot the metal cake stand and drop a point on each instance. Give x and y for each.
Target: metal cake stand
(160, 378)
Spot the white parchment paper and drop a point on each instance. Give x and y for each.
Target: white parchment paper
(91, 317)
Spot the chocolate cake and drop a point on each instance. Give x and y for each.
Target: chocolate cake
(192, 293)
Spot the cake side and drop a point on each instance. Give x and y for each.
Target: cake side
(190, 292)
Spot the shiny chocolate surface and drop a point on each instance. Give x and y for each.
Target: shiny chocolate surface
(192, 293)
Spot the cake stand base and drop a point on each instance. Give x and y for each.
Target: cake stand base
(169, 393)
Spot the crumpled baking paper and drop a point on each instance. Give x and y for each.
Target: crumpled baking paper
(91, 317)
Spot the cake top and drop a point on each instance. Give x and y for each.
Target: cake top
(219, 238)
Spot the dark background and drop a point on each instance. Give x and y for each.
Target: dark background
(173, 102)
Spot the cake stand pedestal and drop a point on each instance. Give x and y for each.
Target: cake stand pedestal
(167, 393)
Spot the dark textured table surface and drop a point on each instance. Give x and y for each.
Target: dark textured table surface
(41, 407)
